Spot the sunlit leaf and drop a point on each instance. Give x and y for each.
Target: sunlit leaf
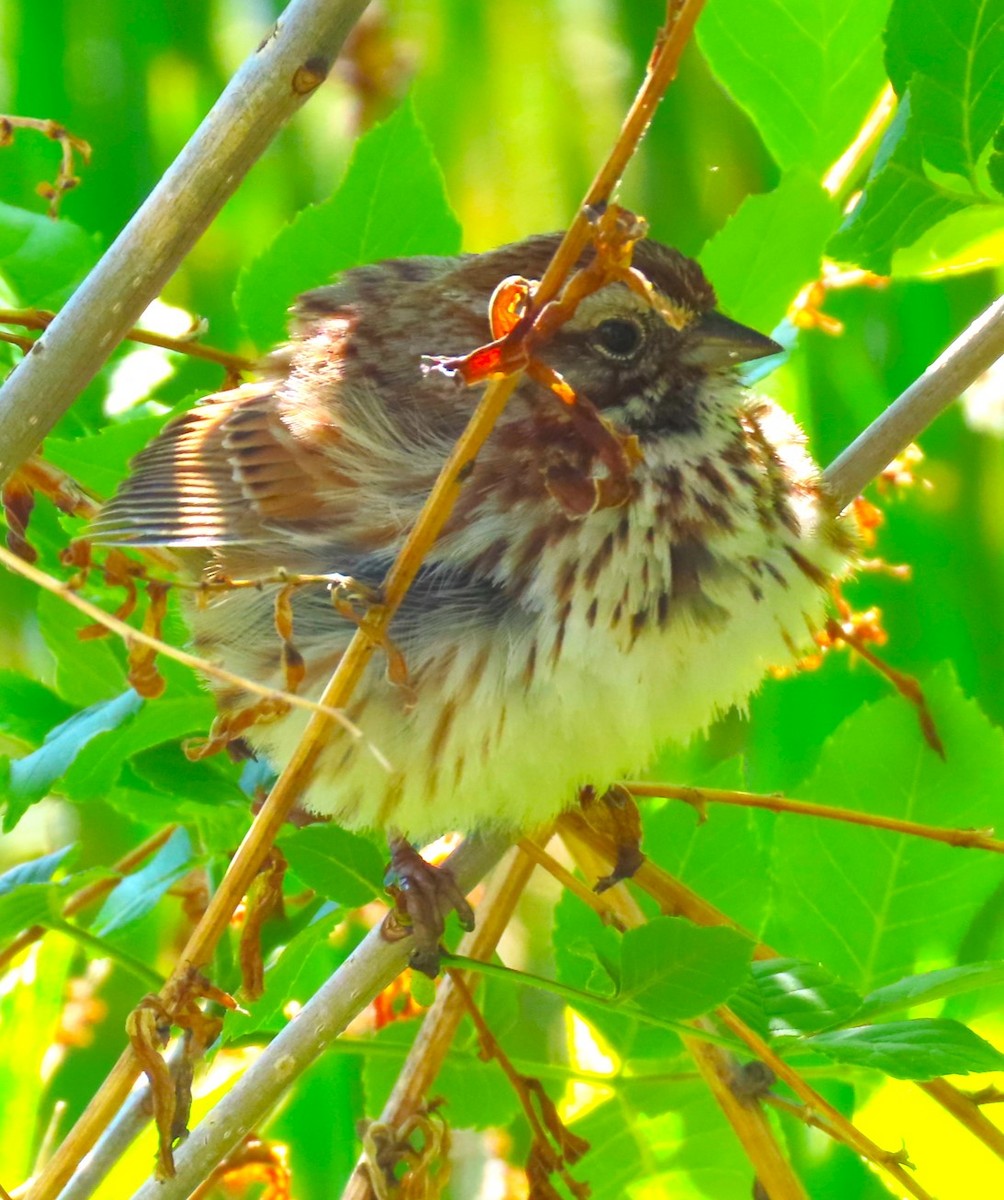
(796, 997)
(339, 865)
(587, 956)
(391, 203)
(97, 768)
(98, 461)
(931, 985)
(140, 891)
(32, 776)
(667, 1138)
(673, 969)
(922, 1049)
(476, 1093)
(771, 247)
(867, 902)
(950, 54)
(28, 709)
(724, 858)
(32, 904)
(43, 260)
(807, 73)
(899, 203)
(969, 240)
(31, 1008)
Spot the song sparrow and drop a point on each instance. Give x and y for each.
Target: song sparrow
(550, 643)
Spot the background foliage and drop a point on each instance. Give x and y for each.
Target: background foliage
(518, 103)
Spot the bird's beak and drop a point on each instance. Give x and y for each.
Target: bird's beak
(717, 341)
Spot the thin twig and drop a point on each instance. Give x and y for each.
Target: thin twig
(966, 839)
(595, 900)
(200, 665)
(839, 1126)
(128, 1123)
(69, 144)
(774, 1172)
(39, 318)
(432, 1043)
(673, 896)
(374, 964)
(94, 891)
(275, 80)
(716, 1065)
(964, 1110)
(662, 72)
(874, 125)
(973, 352)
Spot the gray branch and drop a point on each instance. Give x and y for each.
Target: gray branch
(132, 1118)
(270, 86)
(374, 964)
(973, 352)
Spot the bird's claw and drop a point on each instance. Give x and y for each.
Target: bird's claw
(424, 894)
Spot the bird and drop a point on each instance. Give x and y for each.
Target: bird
(552, 642)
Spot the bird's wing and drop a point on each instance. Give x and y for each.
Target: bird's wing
(229, 471)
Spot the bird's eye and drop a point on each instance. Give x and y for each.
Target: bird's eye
(618, 338)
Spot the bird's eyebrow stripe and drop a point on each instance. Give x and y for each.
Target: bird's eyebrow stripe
(607, 303)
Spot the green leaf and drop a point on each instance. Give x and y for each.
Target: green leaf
(722, 857)
(391, 203)
(28, 709)
(85, 670)
(35, 870)
(98, 767)
(969, 240)
(950, 53)
(769, 249)
(995, 163)
(31, 904)
(806, 73)
(32, 776)
(207, 783)
(99, 460)
(797, 997)
(339, 865)
(932, 985)
(679, 1147)
(43, 260)
(476, 1093)
(899, 203)
(922, 1049)
(422, 988)
(140, 892)
(868, 902)
(31, 1008)
(587, 956)
(291, 976)
(30, 896)
(673, 969)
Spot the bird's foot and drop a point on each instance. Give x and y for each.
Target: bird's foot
(615, 814)
(424, 895)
